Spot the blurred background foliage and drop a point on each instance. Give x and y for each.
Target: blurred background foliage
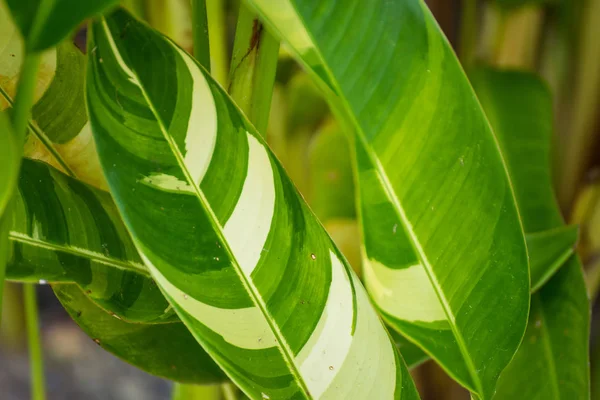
(558, 39)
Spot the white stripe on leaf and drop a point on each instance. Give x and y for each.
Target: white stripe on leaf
(324, 353)
(403, 293)
(247, 229)
(246, 328)
(370, 364)
(201, 136)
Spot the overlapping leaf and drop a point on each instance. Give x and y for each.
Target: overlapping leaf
(224, 233)
(167, 350)
(71, 233)
(59, 132)
(441, 229)
(45, 23)
(552, 362)
(64, 231)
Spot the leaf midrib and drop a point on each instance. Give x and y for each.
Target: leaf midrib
(43, 138)
(249, 286)
(79, 252)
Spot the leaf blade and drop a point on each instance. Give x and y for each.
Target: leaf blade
(45, 23)
(217, 270)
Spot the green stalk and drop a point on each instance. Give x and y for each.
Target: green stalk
(35, 347)
(518, 37)
(253, 68)
(25, 94)
(200, 33)
(20, 121)
(183, 391)
(134, 6)
(468, 31)
(217, 35)
(229, 391)
(586, 101)
(4, 248)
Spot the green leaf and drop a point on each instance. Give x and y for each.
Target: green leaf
(59, 132)
(65, 231)
(552, 362)
(519, 107)
(548, 251)
(167, 350)
(223, 231)
(441, 228)
(412, 354)
(45, 23)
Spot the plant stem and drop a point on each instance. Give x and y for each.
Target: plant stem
(200, 33)
(183, 391)
(35, 347)
(25, 95)
(215, 10)
(468, 31)
(577, 144)
(5, 223)
(518, 37)
(20, 121)
(228, 391)
(253, 68)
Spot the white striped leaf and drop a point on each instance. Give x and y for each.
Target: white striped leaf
(223, 231)
(71, 236)
(441, 228)
(64, 231)
(167, 350)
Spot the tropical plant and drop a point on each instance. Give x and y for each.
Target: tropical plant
(297, 232)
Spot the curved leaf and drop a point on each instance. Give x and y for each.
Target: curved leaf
(519, 108)
(548, 251)
(59, 132)
(440, 224)
(166, 350)
(223, 231)
(45, 23)
(552, 362)
(64, 231)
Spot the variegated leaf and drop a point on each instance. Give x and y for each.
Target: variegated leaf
(64, 231)
(167, 350)
(441, 228)
(223, 231)
(59, 132)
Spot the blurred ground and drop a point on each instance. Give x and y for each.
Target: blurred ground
(76, 368)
